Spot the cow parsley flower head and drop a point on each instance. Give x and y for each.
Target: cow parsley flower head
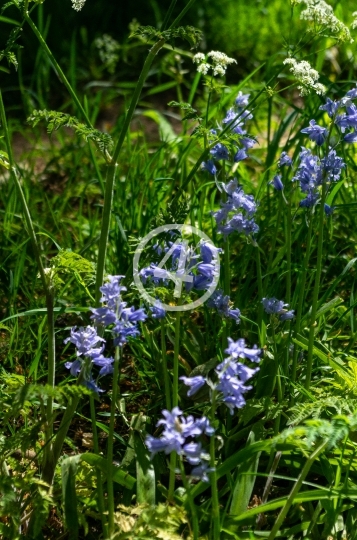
(220, 62)
(78, 4)
(108, 51)
(323, 18)
(354, 22)
(306, 76)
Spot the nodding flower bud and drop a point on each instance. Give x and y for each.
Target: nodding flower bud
(277, 183)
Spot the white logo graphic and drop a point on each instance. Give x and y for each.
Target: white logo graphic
(179, 276)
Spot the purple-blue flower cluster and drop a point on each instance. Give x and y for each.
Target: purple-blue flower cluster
(231, 375)
(273, 306)
(195, 266)
(223, 305)
(179, 436)
(235, 119)
(124, 319)
(237, 202)
(90, 349)
(313, 171)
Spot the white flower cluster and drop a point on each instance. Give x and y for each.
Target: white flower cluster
(322, 15)
(220, 62)
(354, 22)
(108, 51)
(78, 4)
(306, 76)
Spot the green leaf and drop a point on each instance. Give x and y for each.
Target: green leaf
(334, 192)
(68, 473)
(246, 477)
(167, 134)
(145, 473)
(120, 477)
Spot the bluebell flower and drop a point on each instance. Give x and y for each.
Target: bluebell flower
(92, 385)
(202, 282)
(316, 133)
(247, 142)
(158, 312)
(351, 116)
(124, 319)
(209, 166)
(222, 304)
(310, 200)
(233, 375)
(207, 270)
(201, 472)
(85, 340)
(331, 107)
(209, 251)
(287, 315)
(112, 290)
(352, 94)
(342, 122)
(236, 120)
(277, 183)
(195, 384)
(219, 152)
(272, 306)
(240, 155)
(237, 200)
(238, 349)
(351, 137)
(194, 453)
(176, 431)
(74, 367)
(103, 316)
(106, 364)
(328, 209)
(332, 166)
(284, 159)
(242, 99)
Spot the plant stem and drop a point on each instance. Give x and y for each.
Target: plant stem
(288, 252)
(278, 380)
(110, 175)
(316, 286)
(261, 295)
(51, 354)
(213, 477)
(51, 361)
(191, 502)
(302, 285)
(57, 68)
(227, 289)
(173, 457)
(110, 486)
(164, 366)
(279, 521)
(275, 234)
(101, 505)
